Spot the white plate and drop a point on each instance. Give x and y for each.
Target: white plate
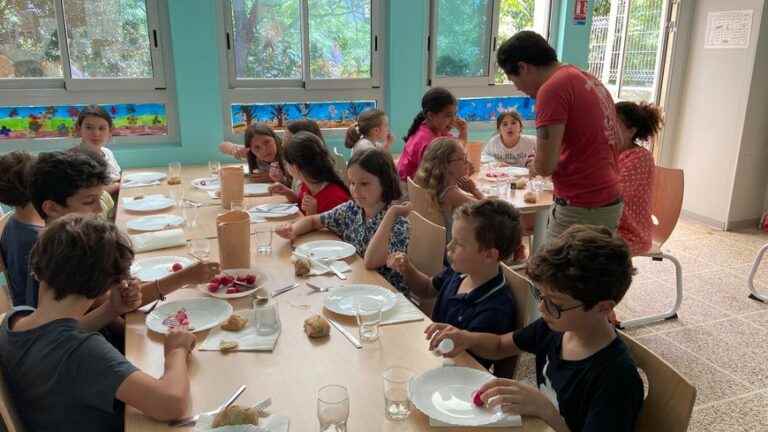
(445, 394)
(204, 313)
(261, 279)
(326, 249)
(207, 183)
(143, 177)
(274, 210)
(256, 189)
(149, 203)
(149, 269)
(155, 222)
(343, 299)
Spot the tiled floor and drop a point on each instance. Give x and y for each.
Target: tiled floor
(720, 341)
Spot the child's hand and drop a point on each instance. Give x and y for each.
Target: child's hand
(286, 231)
(279, 189)
(388, 141)
(436, 332)
(402, 210)
(309, 205)
(179, 338)
(529, 160)
(275, 173)
(517, 398)
(460, 124)
(200, 272)
(468, 185)
(399, 262)
(125, 297)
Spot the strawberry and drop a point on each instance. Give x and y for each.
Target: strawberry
(227, 280)
(232, 290)
(250, 279)
(213, 287)
(477, 400)
(176, 267)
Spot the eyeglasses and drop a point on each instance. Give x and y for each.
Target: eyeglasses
(552, 309)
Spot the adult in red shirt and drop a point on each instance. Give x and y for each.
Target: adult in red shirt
(577, 133)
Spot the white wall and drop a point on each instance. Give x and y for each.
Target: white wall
(712, 140)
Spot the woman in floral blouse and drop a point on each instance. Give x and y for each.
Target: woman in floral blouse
(374, 184)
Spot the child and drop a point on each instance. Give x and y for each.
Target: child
(371, 130)
(59, 370)
(23, 227)
(509, 145)
(637, 122)
(308, 161)
(263, 149)
(444, 172)
(374, 185)
(94, 126)
(436, 119)
(305, 125)
(472, 292)
(587, 380)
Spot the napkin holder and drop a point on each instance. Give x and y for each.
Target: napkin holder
(234, 235)
(232, 185)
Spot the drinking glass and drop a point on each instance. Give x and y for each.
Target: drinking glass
(368, 314)
(397, 406)
(200, 248)
(176, 193)
(333, 408)
(174, 173)
(263, 239)
(214, 166)
(189, 213)
(236, 205)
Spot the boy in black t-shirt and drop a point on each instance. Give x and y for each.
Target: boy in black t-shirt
(587, 380)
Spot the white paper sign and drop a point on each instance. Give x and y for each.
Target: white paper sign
(728, 29)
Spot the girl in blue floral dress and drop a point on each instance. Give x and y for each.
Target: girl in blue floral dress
(374, 185)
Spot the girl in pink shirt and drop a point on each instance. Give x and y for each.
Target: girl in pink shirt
(637, 123)
(436, 119)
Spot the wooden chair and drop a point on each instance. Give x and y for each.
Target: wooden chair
(426, 249)
(521, 289)
(339, 164)
(11, 420)
(424, 204)
(667, 201)
(5, 297)
(670, 399)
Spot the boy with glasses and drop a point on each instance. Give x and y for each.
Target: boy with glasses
(586, 379)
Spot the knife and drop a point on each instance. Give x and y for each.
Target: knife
(345, 332)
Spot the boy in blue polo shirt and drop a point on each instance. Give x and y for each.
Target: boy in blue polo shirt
(472, 293)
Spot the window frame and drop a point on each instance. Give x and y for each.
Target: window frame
(155, 15)
(307, 82)
(485, 85)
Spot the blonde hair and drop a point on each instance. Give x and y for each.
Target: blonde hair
(433, 170)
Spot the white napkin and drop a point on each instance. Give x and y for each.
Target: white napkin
(274, 209)
(256, 189)
(273, 423)
(506, 421)
(404, 311)
(136, 184)
(247, 339)
(150, 241)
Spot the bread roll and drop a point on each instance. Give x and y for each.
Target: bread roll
(234, 323)
(316, 327)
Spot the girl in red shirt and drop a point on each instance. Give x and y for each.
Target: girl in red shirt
(638, 122)
(308, 161)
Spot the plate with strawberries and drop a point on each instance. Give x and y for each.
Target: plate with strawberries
(234, 283)
(149, 269)
(195, 315)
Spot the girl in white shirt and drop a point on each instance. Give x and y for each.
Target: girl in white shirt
(370, 131)
(509, 145)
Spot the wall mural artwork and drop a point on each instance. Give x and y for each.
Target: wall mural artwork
(329, 115)
(485, 109)
(36, 122)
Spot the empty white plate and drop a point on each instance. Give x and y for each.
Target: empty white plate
(148, 203)
(445, 394)
(326, 249)
(143, 177)
(344, 299)
(149, 269)
(155, 222)
(207, 183)
(204, 313)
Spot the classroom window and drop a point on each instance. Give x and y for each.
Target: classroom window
(464, 36)
(318, 44)
(109, 45)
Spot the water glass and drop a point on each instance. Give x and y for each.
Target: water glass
(397, 406)
(368, 314)
(189, 213)
(266, 317)
(200, 248)
(333, 408)
(236, 205)
(214, 166)
(263, 239)
(174, 173)
(176, 192)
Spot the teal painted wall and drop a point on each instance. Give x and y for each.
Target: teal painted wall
(197, 79)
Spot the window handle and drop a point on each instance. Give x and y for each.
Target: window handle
(154, 37)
